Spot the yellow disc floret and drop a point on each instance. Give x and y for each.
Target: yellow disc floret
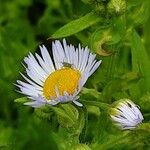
(65, 79)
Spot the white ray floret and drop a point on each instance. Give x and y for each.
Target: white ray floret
(38, 68)
(126, 114)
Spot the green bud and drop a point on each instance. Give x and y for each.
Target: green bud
(121, 114)
(116, 6)
(43, 112)
(145, 127)
(99, 9)
(67, 115)
(144, 102)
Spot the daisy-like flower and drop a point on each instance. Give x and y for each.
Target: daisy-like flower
(126, 114)
(58, 81)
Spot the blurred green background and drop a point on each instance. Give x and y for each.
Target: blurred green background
(125, 72)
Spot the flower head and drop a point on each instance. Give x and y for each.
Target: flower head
(59, 80)
(126, 114)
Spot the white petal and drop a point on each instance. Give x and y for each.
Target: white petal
(66, 50)
(78, 104)
(47, 59)
(34, 66)
(125, 121)
(52, 102)
(33, 76)
(44, 65)
(96, 65)
(58, 54)
(30, 86)
(29, 81)
(85, 59)
(128, 115)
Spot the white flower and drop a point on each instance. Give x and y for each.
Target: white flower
(60, 81)
(126, 114)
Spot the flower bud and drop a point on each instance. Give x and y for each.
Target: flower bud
(126, 114)
(117, 6)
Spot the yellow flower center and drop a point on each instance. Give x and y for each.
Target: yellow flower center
(65, 79)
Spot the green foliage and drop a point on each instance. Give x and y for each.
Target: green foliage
(118, 32)
(77, 25)
(140, 59)
(21, 100)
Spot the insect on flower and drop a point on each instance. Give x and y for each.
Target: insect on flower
(65, 64)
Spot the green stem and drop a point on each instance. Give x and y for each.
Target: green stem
(84, 129)
(101, 105)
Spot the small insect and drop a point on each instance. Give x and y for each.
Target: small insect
(66, 64)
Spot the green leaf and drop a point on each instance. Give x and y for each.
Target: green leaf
(103, 39)
(77, 25)
(145, 127)
(98, 38)
(80, 147)
(140, 59)
(40, 113)
(82, 124)
(90, 94)
(144, 102)
(21, 100)
(140, 14)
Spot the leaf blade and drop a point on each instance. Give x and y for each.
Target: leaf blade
(77, 25)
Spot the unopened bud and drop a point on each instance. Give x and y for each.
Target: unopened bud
(117, 6)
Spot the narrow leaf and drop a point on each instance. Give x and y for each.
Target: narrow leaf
(21, 100)
(77, 25)
(140, 60)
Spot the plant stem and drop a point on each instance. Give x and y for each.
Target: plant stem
(101, 105)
